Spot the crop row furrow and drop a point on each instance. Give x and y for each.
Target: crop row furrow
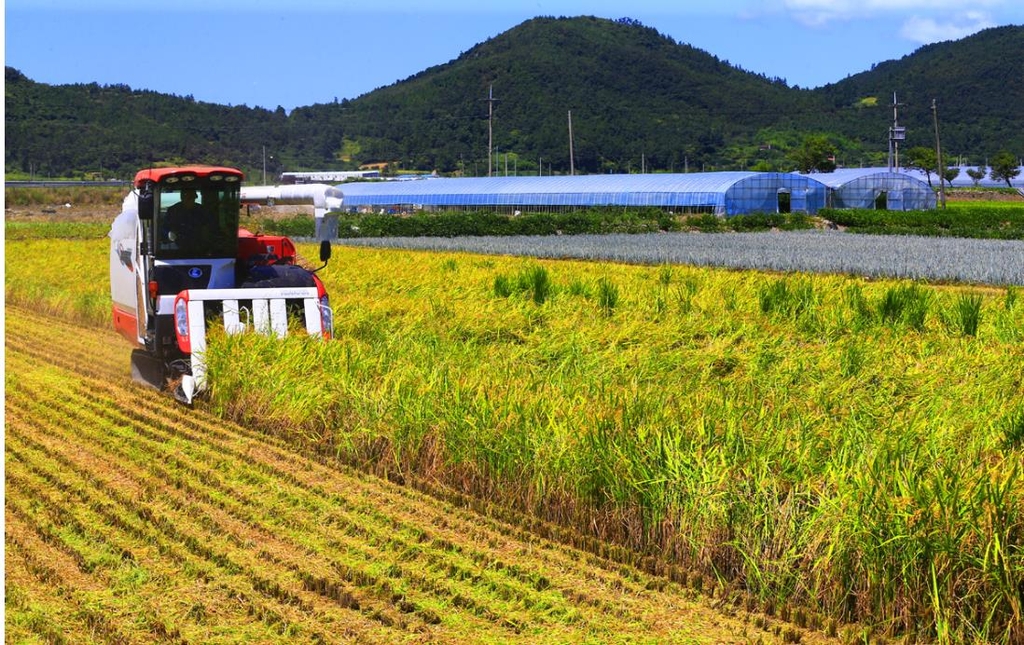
(315, 480)
(200, 553)
(47, 594)
(64, 520)
(287, 513)
(153, 581)
(195, 486)
(33, 334)
(179, 512)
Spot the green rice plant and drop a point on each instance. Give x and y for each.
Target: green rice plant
(862, 314)
(685, 292)
(906, 304)
(965, 314)
(533, 280)
(665, 275)
(502, 286)
(781, 298)
(1009, 320)
(1012, 429)
(578, 287)
(540, 284)
(660, 306)
(607, 296)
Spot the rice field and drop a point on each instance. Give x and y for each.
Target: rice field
(850, 447)
(834, 450)
(132, 519)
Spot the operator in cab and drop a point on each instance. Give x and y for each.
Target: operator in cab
(186, 215)
(200, 222)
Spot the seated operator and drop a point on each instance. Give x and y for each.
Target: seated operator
(186, 220)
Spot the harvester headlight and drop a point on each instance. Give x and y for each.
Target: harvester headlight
(181, 323)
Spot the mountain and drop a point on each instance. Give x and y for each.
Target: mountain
(637, 99)
(63, 129)
(634, 95)
(976, 83)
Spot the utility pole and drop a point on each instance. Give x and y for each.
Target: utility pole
(490, 126)
(938, 156)
(896, 134)
(572, 160)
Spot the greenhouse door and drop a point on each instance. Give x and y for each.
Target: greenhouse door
(784, 201)
(882, 201)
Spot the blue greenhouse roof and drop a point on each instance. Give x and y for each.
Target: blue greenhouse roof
(692, 189)
(842, 176)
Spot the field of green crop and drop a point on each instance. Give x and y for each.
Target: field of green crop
(838, 449)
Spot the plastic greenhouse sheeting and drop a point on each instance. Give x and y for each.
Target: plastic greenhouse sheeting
(727, 193)
(861, 188)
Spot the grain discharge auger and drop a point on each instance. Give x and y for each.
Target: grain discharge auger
(179, 262)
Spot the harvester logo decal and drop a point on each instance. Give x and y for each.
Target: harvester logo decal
(195, 273)
(125, 256)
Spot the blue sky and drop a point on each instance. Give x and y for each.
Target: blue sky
(292, 53)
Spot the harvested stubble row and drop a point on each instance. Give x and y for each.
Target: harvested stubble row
(132, 519)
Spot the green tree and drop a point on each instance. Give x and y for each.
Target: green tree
(923, 159)
(816, 153)
(1004, 167)
(950, 173)
(977, 174)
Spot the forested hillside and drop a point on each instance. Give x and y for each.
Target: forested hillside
(976, 83)
(638, 101)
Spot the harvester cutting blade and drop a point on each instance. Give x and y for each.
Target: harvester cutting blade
(148, 370)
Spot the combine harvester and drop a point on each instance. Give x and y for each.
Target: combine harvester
(179, 261)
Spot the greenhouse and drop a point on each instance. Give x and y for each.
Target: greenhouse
(720, 193)
(876, 188)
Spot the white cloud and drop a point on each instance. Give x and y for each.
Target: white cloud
(817, 13)
(928, 30)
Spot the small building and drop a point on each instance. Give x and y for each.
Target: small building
(326, 176)
(876, 188)
(719, 193)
